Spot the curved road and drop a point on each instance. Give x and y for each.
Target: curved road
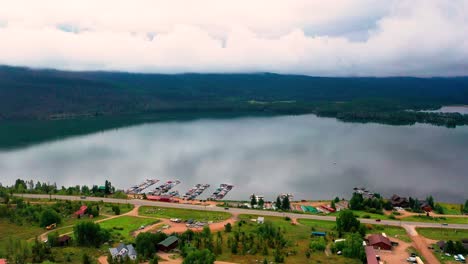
(138, 202)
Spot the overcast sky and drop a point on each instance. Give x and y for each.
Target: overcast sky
(323, 38)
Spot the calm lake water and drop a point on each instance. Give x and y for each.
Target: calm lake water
(313, 158)
(462, 109)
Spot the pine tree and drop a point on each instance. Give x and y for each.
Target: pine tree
(278, 203)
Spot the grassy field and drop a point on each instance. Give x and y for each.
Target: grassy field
(318, 225)
(361, 214)
(448, 220)
(451, 209)
(74, 254)
(443, 233)
(16, 232)
(390, 231)
(124, 208)
(183, 214)
(298, 237)
(122, 226)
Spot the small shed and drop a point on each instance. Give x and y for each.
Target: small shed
(168, 243)
(63, 240)
(260, 220)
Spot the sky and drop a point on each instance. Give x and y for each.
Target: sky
(320, 38)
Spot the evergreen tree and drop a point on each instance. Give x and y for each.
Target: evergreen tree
(253, 200)
(285, 205)
(278, 203)
(261, 203)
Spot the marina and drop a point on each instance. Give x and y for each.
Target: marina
(138, 189)
(165, 188)
(195, 191)
(221, 192)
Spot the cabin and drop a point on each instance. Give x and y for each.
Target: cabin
(122, 251)
(63, 240)
(371, 256)
(378, 241)
(168, 244)
(81, 211)
(3, 261)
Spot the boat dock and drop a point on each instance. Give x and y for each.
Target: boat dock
(138, 189)
(195, 191)
(221, 192)
(164, 188)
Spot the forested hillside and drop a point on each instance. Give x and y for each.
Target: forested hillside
(50, 94)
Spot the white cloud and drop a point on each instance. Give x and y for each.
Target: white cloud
(342, 37)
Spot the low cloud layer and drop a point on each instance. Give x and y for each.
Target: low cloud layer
(326, 38)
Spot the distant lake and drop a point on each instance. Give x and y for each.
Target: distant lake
(311, 157)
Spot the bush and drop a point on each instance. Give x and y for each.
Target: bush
(366, 216)
(392, 217)
(90, 234)
(318, 245)
(48, 217)
(228, 227)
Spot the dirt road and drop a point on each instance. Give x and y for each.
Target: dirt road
(420, 244)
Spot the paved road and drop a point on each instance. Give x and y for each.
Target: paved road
(137, 202)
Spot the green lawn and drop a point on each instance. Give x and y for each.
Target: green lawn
(448, 220)
(124, 225)
(318, 225)
(443, 233)
(183, 214)
(390, 231)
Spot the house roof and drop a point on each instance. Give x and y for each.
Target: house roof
(129, 250)
(378, 238)
(371, 255)
(168, 241)
(82, 210)
(3, 261)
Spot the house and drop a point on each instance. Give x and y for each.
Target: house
(425, 206)
(122, 251)
(398, 201)
(3, 261)
(371, 256)
(81, 211)
(441, 244)
(260, 220)
(379, 241)
(168, 243)
(63, 240)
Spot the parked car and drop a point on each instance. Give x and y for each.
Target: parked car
(378, 220)
(226, 208)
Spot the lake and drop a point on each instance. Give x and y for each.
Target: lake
(311, 157)
(462, 109)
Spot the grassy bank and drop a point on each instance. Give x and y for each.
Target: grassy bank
(122, 227)
(183, 214)
(443, 233)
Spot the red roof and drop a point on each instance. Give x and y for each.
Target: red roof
(377, 238)
(81, 211)
(371, 256)
(3, 261)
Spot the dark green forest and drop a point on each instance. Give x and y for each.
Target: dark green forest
(57, 103)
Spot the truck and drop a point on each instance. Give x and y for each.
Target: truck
(52, 226)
